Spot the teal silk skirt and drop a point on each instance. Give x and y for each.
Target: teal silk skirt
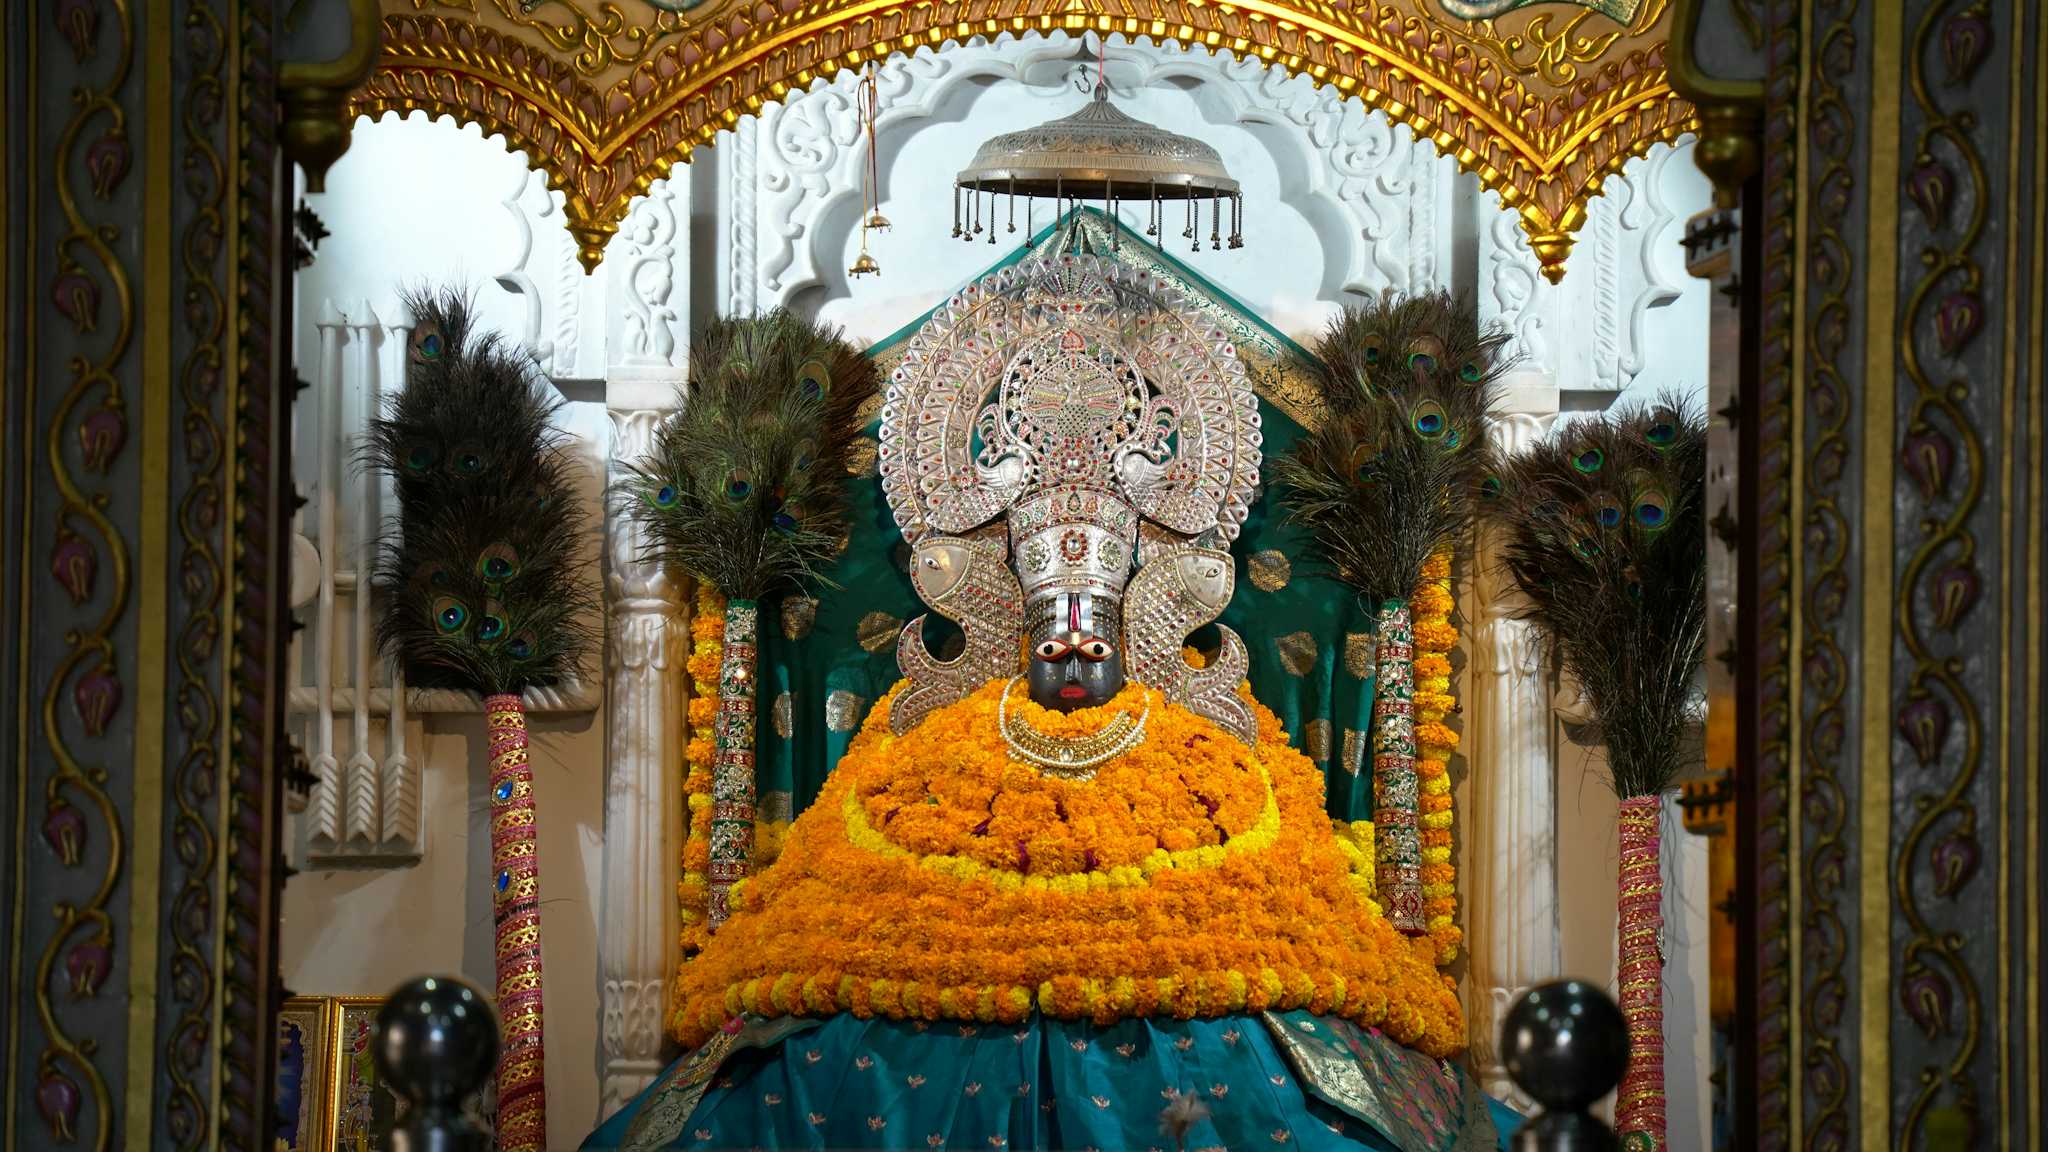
(1280, 1080)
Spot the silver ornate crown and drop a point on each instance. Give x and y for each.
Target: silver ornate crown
(1079, 403)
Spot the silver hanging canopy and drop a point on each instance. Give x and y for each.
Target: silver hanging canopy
(1098, 154)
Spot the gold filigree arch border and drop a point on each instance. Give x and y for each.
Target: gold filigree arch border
(606, 102)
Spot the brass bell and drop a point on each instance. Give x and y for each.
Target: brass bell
(877, 222)
(864, 265)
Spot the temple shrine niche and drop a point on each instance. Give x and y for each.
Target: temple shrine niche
(947, 652)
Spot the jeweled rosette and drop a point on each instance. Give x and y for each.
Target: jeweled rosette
(1639, 1105)
(515, 882)
(1397, 835)
(732, 769)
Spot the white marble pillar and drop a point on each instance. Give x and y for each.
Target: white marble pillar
(648, 643)
(1511, 841)
(646, 290)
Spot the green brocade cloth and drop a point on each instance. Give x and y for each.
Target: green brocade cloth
(1287, 1081)
(825, 661)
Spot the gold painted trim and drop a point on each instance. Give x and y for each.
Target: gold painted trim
(230, 498)
(1693, 83)
(1880, 391)
(2006, 540)
(2037, 399)
(145, 869)
(1795, 586)
(9, 222)
(605, 126)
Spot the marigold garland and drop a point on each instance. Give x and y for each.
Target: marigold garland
(935, 877)
(1435, 743)
(707, 646)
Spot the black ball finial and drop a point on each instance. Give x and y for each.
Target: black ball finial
(1565, 1044)
(437, 1039)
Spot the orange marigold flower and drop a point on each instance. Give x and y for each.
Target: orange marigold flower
(945, 879)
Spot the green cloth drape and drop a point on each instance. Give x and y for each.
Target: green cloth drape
(825, 659)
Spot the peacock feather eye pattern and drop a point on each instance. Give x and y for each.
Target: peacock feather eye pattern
(665, 496)
(1429, 420)
(739, 484)
(421, 456)
(813, 379)
(1470, 372)
(490, 628)
(450, 615)
(498, 563)
(1589, 460)
(1662, 431)
(427, 344)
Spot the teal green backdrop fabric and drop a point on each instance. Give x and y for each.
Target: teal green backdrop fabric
(827, 657)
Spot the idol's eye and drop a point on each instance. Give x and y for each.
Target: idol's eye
(1096, 649)
(1051, 651)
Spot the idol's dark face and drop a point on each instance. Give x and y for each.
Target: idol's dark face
(1071, 670)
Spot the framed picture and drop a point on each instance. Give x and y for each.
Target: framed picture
(330, 1097)
(364, 1107)
(305, 1032)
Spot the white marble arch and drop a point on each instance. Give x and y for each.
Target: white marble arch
(1340, 203)
(1343, 200)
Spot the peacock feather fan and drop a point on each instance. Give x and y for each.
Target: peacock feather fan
(1391, 475)
(479, 587)
(745, 488)
(1605, 527)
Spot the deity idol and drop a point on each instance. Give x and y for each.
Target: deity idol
(1069, 887)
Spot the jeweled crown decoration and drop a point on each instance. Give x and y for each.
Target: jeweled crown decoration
(1066, 413)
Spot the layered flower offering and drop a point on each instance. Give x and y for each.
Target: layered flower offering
(938, 877)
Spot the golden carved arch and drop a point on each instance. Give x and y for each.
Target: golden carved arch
(606, 96)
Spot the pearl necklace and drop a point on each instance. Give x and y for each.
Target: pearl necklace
(1074, 757)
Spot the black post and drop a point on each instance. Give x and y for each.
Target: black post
(437, 1040)
(1565, 1044)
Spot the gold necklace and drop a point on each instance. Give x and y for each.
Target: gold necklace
(1071, 757)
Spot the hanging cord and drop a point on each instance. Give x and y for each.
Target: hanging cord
(871, 99)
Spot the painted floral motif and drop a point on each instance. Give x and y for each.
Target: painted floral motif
(100, 437)
(64, 832)
(74, 564)
(77, 298)
(106, 163)
(97, 696)
(86, 965)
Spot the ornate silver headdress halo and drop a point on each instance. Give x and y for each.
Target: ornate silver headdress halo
(1059, 423)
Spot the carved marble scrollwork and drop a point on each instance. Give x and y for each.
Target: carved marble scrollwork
(1170, 597)
(967, 582)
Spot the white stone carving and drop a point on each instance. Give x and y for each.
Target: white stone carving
(743, 267)
(642, 262)
(1511, 820)
(649, 633)
(324, 806)
(1372, 193)
(1627, 302)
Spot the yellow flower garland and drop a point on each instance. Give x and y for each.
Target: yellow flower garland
(707, 646)
(936, 877)
(1435, 743)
